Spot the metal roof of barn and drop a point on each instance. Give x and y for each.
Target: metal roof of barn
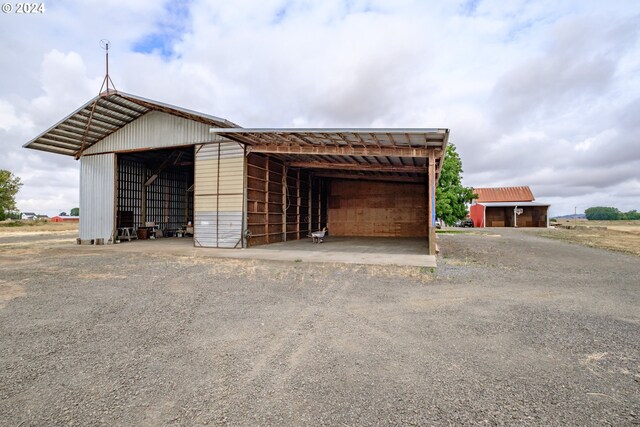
(104, 115)
(351, 153)
(504, 194)
(511, 204)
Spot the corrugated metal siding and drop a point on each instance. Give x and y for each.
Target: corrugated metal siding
(97, 180)
(476, 213)
(504, 194)
(219, 195)
(155, 130)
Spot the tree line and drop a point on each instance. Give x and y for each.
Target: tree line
(606, 213)
(9, 187)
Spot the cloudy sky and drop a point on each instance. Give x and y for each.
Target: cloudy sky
(541, 93)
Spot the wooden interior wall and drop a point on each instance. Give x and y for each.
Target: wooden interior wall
(282, 209)
(373, 208)
(498, 217)
(532, 216)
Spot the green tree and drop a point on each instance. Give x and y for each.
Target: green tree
(9, 186)
(632, 215)
(451, 196)
(602, 213)
(75, 212)
(13, 215)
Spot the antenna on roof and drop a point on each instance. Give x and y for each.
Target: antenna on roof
(104, 43)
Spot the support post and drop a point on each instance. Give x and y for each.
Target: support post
(319, 205)
(310, 203)
(431, 208)
(285, 173)
(266, 198)
(298, 201)
(143, 205)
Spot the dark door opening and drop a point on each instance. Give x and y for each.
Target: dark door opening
(155, 192)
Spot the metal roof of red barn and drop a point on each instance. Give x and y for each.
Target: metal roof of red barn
(504, 194)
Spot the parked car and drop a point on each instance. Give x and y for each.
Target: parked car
(438, 223)
(467, 223)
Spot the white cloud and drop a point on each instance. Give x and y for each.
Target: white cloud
(539, 93)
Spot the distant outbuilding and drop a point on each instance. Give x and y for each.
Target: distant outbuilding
(508, 207)
(65, 218)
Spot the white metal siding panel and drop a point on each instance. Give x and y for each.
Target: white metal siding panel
(213, 230)
(97, 182)
(155, 130)
(219, 199)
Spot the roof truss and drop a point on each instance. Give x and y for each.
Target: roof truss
(372, 152)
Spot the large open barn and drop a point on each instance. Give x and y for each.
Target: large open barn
(169, 171)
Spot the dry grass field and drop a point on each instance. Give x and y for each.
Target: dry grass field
(622, 236)
(20, 227)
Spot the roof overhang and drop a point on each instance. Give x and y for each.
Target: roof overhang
(511, 204)
(359, 153)
(104, 115)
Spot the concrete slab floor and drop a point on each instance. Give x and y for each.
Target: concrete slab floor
(348, 250)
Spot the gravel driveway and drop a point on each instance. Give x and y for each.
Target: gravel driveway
(510, 329)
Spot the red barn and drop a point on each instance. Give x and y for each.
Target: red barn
(58, 218)
(508, 207)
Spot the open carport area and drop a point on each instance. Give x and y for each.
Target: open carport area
(509, 329)
(399, 251)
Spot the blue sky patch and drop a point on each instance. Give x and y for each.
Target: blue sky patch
(170, 28)
(469, 7)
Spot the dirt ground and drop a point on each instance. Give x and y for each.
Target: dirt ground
(511, 328)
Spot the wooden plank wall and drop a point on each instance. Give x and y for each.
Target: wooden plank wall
(371, 208)
(279, 209)
(498, 217)
(532, 216)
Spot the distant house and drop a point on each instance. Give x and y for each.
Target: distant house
(508, 207)
(65, 218)
(43, 217)
(28, 215)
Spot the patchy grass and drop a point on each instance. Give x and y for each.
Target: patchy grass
(440, 231)
(619, 240)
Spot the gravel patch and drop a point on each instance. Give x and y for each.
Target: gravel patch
(509, 329)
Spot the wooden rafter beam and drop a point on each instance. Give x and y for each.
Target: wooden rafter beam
(173, 158)
(63, 139)
(358, 167)
(54, 142)
(345, 139)
(106, 123)
(329, 150)
(42, 147)
(336, 175)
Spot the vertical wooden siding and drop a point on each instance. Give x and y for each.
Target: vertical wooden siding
(282, 203)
